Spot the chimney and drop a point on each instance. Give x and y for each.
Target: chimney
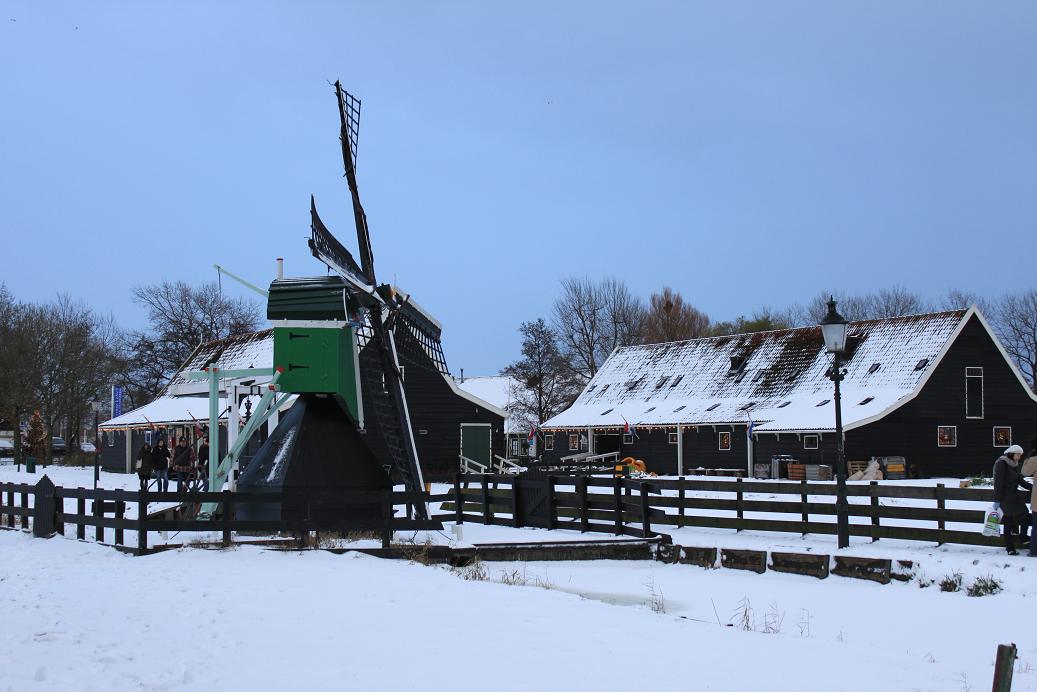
(280, 267)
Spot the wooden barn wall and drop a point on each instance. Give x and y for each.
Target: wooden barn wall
(910, 431)
(434, 408)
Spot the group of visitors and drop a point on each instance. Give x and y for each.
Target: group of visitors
(182, 459)
(1010, 473)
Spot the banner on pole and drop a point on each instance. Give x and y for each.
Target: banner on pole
(116, 401)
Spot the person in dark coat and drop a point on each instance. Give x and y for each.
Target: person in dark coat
(160, 462)
(182, 464)
(1029, 468)
(203, 462)
(144, 465)
(1007, 481)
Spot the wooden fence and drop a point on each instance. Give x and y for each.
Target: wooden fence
(45, 509)
(638, 507)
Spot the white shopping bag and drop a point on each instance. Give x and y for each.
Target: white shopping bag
(992, 523)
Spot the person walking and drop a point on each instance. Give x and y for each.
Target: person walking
(1007, 498)
(182, 464)
(160, 462)
(1030, 469)
(203, 462)
(144, 465)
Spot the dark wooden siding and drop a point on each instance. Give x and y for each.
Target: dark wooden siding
(436, 412)
(910, 431)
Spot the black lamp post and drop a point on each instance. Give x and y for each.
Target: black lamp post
(833, 329)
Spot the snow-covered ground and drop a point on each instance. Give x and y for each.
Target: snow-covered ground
(78, 616)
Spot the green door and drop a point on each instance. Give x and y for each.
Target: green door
(475, 442)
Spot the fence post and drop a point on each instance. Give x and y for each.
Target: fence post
(142, 517)
(739, 496)
(98, 515)
(43, 508)
(680, 501)
(516, 517)
(120, 512)
(646, 512)
(486, 519)
(81, 514)
(941, 506)
(803, 499)
(10, 503)
(584, 519)
(1004, 664)
(228, 516)
(458, 500)
(874, 489)
(25, 506)
(617, 493)
(552, 506)
(387, 520)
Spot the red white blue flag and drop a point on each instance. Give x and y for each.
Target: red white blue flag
(532, 433)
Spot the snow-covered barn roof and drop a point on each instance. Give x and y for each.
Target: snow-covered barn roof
(255, 350)
(178, 410)
(777, 378)
(496, 390)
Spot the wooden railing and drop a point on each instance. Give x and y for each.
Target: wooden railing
(626, 506)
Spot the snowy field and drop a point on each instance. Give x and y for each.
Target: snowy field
(78, 616)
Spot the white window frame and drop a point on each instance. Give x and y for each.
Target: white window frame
(572, 447)
(549, 442)
(815, 438)
(720, 441)
(516, 446)
(671, 438)
(628, 438)
(952, 427)
(982, 395)
(993, 435)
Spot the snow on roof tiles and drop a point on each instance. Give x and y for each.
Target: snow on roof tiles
(777, 378)
(496, 390)
(255, 350)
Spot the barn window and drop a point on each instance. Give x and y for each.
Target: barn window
(662, 381)
(604, 389)
(650, 409)
(724, 441)
(758, 375)
(810, 442)
(713, 407)
(676, 381)
(946, 436)
(866, 400)
(822, 402)
(737, 364)
(633, 384)
(628, 438)
(1002, 435)
(515, 445)
(973, 392)
(746, 406)
(606, 411)
(874, 368)
(679, 408)
(591, 388)
(549, 442)
(574, 442)
(673, 438)
(921, 364)
(784, 404)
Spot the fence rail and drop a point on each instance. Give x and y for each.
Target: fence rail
(638, 507)
(103, 510)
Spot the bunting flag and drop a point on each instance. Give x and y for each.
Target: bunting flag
(629, 429)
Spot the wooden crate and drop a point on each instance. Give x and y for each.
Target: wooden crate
(797, 472)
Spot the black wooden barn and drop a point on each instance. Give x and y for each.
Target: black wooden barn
(938, 389)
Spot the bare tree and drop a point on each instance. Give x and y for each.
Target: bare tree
(956, 299)
(592, 319)
(18, 364)
(760, 321)
(1015, 321)
(181, 317)
(669, 318)
(545, 383)
(896, 301)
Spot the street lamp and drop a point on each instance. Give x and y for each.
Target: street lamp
(833, 330)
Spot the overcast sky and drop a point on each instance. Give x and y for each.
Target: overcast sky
(746, 154)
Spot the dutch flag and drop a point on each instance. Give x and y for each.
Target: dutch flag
(749, 430)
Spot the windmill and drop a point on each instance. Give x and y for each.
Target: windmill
(321, 326)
